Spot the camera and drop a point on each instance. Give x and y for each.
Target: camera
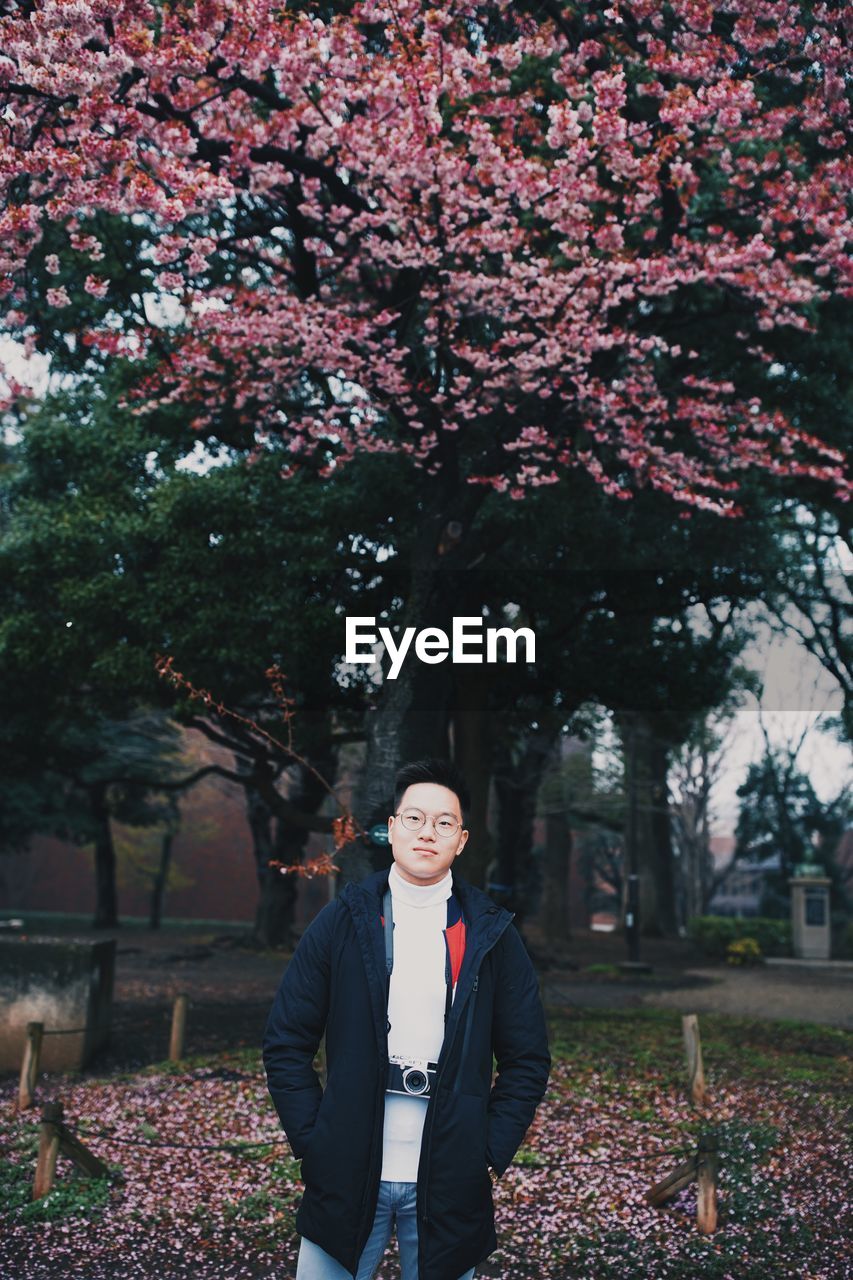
(412, 1076)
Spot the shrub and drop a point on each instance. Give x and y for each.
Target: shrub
(714, 934)
(602, 971)
(744, 951)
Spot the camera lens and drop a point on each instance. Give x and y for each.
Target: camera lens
(414, 1081)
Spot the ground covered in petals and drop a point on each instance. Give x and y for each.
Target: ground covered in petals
(181, 1201)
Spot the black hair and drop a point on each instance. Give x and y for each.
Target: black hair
(432, 769)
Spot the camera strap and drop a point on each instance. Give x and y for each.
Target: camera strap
(388, 917)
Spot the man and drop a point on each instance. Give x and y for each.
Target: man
(417, 979)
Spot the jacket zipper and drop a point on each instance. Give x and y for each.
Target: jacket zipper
(439, 1077)
(469, 1019)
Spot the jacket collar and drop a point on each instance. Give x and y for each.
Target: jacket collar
(365, 896)
(483, 918)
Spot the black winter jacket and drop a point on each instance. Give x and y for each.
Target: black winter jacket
(336, 981)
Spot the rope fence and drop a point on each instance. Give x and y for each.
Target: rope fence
(240, 1144)
(698, 1163)
(56, 1137)
(634, 1159)
(36, 1031)
(237, 1145)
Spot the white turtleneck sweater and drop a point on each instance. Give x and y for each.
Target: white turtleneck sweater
(416, 1003)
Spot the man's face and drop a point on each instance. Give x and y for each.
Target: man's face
(423, 856)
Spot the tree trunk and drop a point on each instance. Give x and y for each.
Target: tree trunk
(698, 873)
(660, 859)
(692, 838)
(702, 863)
(517, 784)
(274, 917)
(472, 753)
(106, 901)
(278, 840)
(276, 892)
(556, 905)
(410, 719)
(412, 715)
(159, 887)
(648, 835)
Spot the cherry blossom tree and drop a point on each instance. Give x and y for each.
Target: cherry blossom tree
(468, 234)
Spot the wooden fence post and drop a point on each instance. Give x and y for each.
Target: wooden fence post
(49, 1131)
(179, 1027)
(706, 1202)
(82, 1156)
(30, 1065)
(693, 1048)
(674, 1182)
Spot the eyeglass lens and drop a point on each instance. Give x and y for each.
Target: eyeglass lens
(445, 824)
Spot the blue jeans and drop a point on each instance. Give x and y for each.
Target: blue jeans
(396, 1200)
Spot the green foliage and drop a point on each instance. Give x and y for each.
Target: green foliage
(754, 1238)
(628, 1042)
(73, 1195)
(714, 934)
(781, 814)
(743, 1147)
(254, 1207)
(758, 1235)
(603, 970)
(275, 1201)
(112, 552)
(528, 1159)
(78, 1197)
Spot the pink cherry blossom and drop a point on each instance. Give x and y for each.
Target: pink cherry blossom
(97, 287)
(385, 236)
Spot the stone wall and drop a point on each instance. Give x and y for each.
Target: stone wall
(66, 984)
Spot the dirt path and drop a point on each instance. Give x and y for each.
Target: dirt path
(809, 995)
(231, 988)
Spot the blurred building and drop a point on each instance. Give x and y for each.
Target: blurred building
(741, 889)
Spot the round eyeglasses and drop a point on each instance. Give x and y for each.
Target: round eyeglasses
(445, 825)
